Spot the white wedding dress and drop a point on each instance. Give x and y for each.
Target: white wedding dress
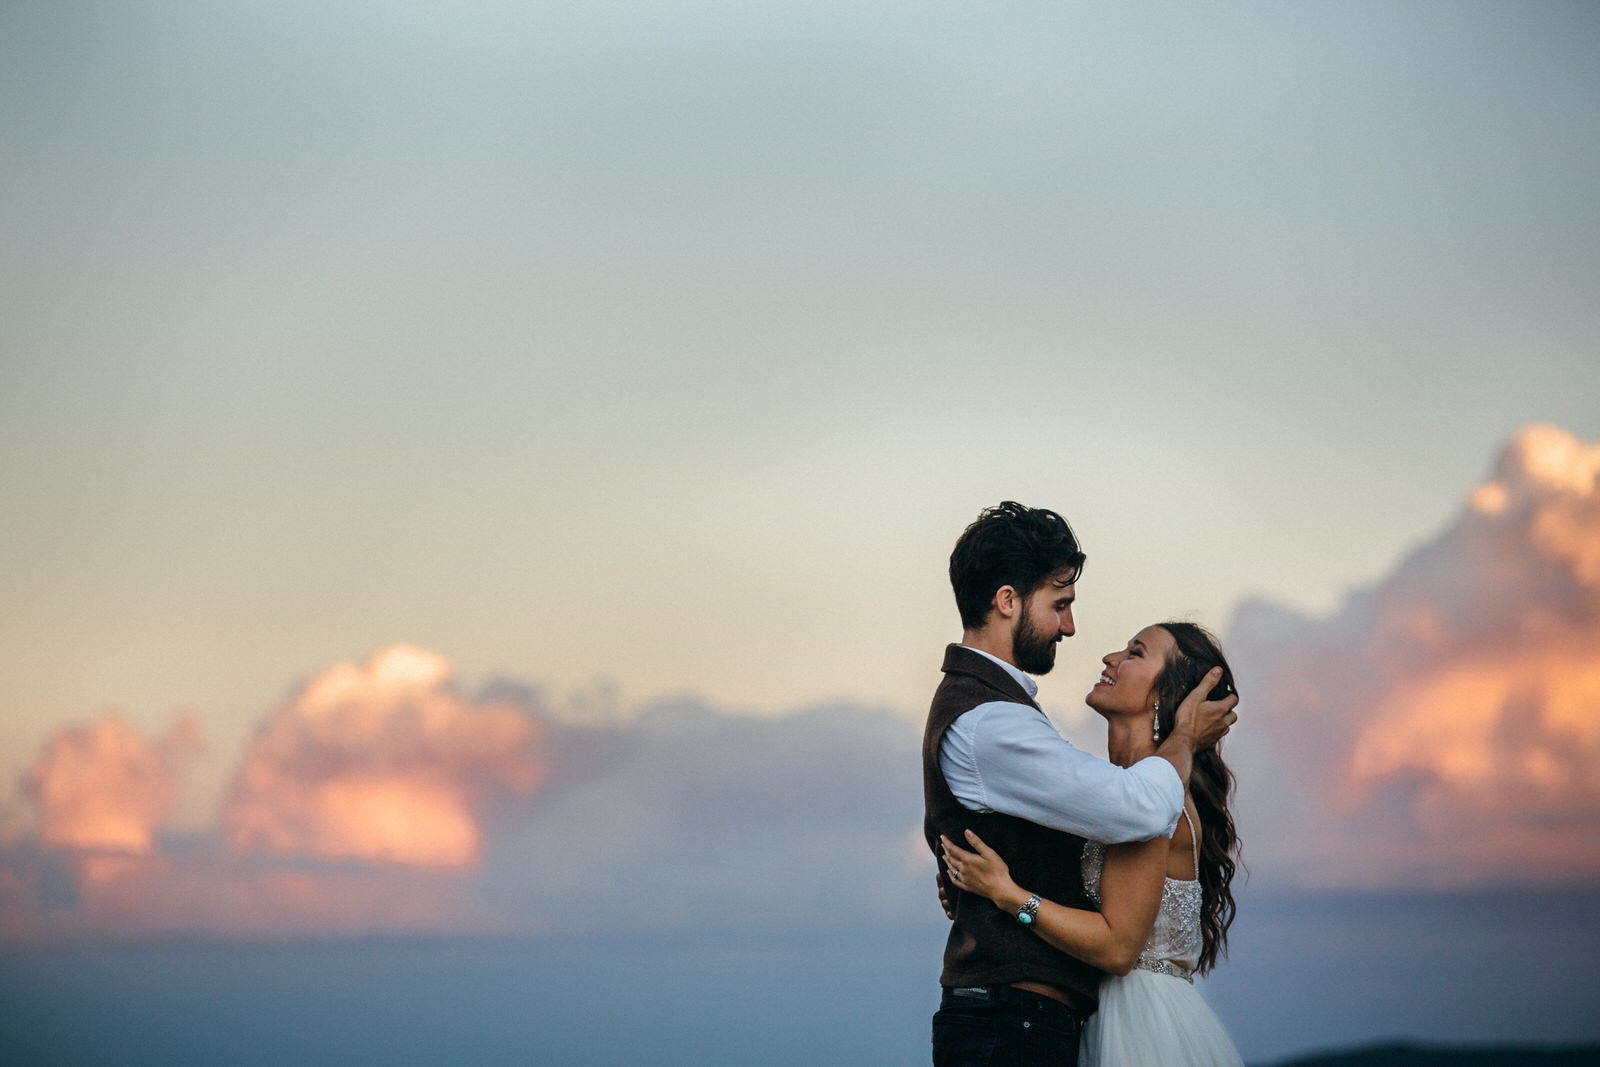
(1153, 1015)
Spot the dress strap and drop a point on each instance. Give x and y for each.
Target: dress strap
(1194, 841)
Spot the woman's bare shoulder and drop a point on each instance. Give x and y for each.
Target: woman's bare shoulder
(1181, 850)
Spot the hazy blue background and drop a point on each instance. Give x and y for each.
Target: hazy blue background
(1309, 973)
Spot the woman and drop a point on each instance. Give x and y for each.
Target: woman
(1166, 905)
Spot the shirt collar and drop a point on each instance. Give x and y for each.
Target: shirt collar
(1029, 686)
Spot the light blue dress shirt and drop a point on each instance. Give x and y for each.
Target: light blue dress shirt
(1007, 757)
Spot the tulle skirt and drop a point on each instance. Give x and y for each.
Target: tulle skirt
(1154, 1020)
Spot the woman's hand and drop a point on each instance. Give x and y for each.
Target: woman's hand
(982, 872)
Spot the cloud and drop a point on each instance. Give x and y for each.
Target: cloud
(690, 816)
(104, 787)
(381, 762)
(1443, 727)
(485, 815)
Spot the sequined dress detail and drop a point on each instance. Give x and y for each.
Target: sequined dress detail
(1175, 942)
(1154, 1014)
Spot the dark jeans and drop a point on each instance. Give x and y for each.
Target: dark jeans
(1003, 1027)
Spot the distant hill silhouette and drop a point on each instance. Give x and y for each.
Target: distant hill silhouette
(1413, 1055)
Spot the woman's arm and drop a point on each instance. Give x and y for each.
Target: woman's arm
(1110, 939)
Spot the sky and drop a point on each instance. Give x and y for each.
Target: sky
(492, 450)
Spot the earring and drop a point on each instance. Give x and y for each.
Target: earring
(1155, 724)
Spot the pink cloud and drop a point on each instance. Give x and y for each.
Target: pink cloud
(102, 786)
(382, 761)
(704, 810)
(1444, 726)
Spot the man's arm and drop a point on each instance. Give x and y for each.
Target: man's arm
(1008, 758)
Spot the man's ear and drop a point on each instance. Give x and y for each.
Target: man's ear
(1007, 602)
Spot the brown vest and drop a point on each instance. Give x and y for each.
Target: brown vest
(988, 947)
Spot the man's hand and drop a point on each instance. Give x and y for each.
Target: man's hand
(1206, 720)
(944, 897)
(1198, 725)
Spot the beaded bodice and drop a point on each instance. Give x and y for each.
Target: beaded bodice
(1175, 942)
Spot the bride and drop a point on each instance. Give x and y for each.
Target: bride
(1165, 905)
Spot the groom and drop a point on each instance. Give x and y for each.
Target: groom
(992, 763)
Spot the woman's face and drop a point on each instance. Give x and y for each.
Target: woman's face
(1127, 685)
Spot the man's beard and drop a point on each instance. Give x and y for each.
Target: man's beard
(1034, 652)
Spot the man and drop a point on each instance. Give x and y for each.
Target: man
(992, 762)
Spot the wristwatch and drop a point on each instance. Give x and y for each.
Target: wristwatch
(1029, 911)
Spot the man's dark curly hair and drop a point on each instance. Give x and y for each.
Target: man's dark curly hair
(1013, 545)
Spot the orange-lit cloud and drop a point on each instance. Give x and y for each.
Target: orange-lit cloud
(382, 761)
(1444, 726)
(104, 787)
(676, 816)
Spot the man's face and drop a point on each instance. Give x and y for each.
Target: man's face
(1045, 619)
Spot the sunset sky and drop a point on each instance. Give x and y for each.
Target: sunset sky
(458, 450)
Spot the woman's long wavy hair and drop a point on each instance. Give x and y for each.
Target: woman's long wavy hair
(1210, 782)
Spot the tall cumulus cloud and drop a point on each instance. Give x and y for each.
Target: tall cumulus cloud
(1443, 727)
(383, 761)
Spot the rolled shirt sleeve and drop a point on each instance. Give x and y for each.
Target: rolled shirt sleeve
(1006, 757)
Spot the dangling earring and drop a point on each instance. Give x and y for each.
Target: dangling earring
(1155, 724)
